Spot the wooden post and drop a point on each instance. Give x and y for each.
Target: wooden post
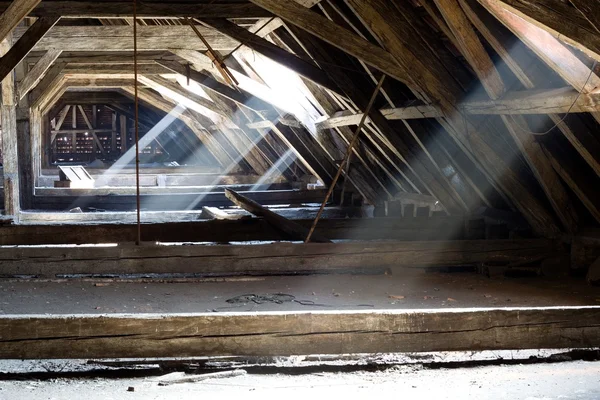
(123, 123)
(113, 137)
(9, 141)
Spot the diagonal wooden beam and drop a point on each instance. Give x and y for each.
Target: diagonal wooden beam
(24, 45)
(177, 93)
(332, 33)
(13, 14)
(388, 23)
(35, 75)
(206, 81)
(561, 20)
(302, 67)
(473, 50)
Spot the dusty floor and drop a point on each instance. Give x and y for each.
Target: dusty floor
(405, 289)
(571, 380)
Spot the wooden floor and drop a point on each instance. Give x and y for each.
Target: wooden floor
(407, 311)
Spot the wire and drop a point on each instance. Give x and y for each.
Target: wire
(138, 239)
(580, 92)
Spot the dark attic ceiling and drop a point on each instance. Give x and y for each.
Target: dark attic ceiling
(488, 103)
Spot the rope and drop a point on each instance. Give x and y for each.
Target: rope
(138, 239)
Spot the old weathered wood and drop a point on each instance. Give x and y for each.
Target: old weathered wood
(223, 229)
(118, 38)
(278, 258)
(332, 33)
(25, 43)
(295, 333)
(13, 13)
(294, 230)
(10, 158)
(206, 81)
(124, 9)
(538, 160)
(35, 75)
(300, 66)
(388, 24)
(561, 20)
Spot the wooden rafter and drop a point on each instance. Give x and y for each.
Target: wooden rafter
(13, 13)
(25, 43)
(473, 50)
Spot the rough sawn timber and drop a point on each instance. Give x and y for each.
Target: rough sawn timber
(295, 333)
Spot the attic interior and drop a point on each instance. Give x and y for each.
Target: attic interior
(374, 173)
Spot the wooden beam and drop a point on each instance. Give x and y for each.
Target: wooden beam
(123, 133)
(587, 145)
(332, 33)
(562, 20)
(48, 262)
(547, 47)
(473, 50)
(10, 158)
(35, 75)
(25, 43)
(118, 38)
(293, 333)
(302, 67)
(182, 96)
(289, 227)
(124, 9)
(388, 23)
(13, 13)
(206, 81)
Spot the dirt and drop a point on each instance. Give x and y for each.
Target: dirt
(572, 380)
(408, 289)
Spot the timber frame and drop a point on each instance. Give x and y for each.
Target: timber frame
(466, 130)
(465, 133)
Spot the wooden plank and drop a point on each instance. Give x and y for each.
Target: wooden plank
(35, 75)
(13, 13)
(239, 96)
(295, 333)
(332, 33)
(222, 230)
(68, 200)
(118, 38)
(124, 9)
(389, 25)
(279, 258)
(25, 43)
(561, 20)
(524, 102)
(472, 49)
(294, 230)
(538, 160)
(302, 67)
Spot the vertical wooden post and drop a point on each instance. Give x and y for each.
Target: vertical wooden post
(9, 140)
(124, 142)
(113, 138)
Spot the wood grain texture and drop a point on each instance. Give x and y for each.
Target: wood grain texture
(25, 43)
(278, 258)
(302, 67)
(119, 38)
(561, 20)
(297, 333)
(124, 9)
(332, 33)
(13, 13)
(35, 75)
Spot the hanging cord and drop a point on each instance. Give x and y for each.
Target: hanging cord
(580, 92)
(346, 157)
(138, 239)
